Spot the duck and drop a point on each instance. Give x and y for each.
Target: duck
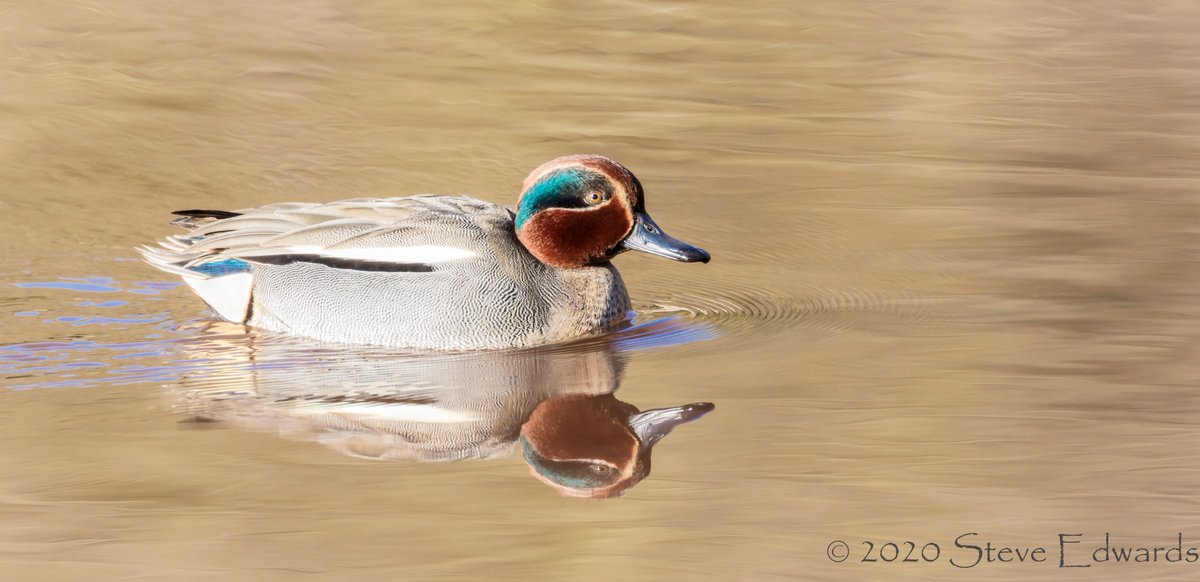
(429, 272)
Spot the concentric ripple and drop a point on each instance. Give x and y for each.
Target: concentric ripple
(737, 309)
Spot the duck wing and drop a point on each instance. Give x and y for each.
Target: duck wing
(375, 234)
(409, 234)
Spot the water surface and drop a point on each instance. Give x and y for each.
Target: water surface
(954, 285)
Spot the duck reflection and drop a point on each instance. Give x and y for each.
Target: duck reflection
(597, 446)
(557, 402)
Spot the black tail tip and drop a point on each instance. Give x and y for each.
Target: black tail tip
(217, 214)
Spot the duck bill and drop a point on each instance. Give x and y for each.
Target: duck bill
(649, 238)
(652, 425)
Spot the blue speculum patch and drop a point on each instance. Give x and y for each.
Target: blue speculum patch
(225, 267)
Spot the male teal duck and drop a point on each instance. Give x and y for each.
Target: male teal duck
(429, 272)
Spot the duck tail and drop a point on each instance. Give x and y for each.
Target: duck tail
(171, 255)
(224, 284)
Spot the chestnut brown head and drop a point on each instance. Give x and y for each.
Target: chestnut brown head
(584, 209)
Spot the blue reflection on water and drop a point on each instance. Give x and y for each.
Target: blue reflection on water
(87, 287)
(50, 362)
(55, 363)
(101, 303)
(129, 319)
(97, 284)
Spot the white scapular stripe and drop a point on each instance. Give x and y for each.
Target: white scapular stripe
(228, 295)
(419, 254)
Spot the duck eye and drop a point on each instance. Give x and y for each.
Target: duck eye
(601, 469)
(593, 197)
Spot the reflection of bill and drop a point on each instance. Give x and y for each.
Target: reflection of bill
(381, 404)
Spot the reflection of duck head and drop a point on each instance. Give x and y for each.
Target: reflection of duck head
(597, 446)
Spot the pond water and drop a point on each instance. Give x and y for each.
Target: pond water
(955, 288)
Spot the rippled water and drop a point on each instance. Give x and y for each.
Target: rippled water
(954, 289)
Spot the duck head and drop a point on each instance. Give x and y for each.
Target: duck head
(596, 445)
(582, 210)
